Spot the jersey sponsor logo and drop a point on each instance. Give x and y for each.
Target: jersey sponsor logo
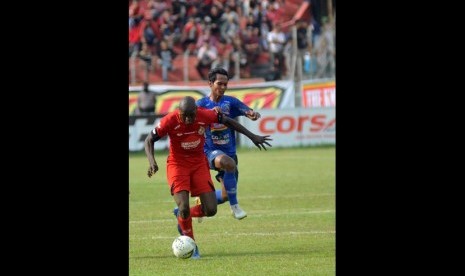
(218, 127)
(226, 108)
(190, 145)
(201, 130)
(220, 137)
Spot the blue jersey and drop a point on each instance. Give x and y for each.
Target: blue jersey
(219, 136)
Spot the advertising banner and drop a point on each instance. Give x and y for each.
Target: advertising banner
(319, 93)
(265, 95)
(294, 127)
(139, 128)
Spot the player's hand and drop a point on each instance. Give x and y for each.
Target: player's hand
(252, 115)
(217, 109)
(261, 140)
(152, 169)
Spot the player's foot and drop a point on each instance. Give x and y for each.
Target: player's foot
(237, 212)
(198, 202)
(175, 212)
(196, 254)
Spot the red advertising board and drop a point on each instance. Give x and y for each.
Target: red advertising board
(321, 94)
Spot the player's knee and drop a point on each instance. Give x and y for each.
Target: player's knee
(184, 211)
(211, 211)
(229, 164)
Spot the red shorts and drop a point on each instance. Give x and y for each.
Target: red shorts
(192, 177)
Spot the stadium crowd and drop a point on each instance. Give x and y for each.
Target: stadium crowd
(227, 33)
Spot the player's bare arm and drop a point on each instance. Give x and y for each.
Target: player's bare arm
(258, 140)
(253, 115)
(150, 152)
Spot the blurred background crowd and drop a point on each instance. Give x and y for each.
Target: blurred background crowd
(174, 40)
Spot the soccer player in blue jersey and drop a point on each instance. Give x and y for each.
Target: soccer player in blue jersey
(220, 143)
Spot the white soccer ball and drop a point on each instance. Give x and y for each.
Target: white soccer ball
(183, 247)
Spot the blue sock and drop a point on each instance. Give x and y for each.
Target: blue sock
(230, 183)
(219, 196)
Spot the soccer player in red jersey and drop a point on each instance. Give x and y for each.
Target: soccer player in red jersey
(187, 167)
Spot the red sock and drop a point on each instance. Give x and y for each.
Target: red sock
(186, 226)
(196, 211)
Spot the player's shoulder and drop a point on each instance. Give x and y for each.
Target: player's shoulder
(168, 120)
(204, 111)
(228, 97)
(170, 116)
(202, 101)
(231, 99)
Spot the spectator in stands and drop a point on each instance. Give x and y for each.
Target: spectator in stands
(325, 51)
(239, 57)
(190, 34)
(135, 13)
(304, 40)
(179, 11)
(135, 36)
(206, 55)
(251, 44)
(146, 101)
(206, 36)
(315, 30)
(277, 39)
(145, 54)
(225, 51)
(157, 7)
(229, 24)
(150, 34)
(166, 56)
(171, 33)
(215, 19)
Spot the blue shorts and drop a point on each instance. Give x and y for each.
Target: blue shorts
(211, 155)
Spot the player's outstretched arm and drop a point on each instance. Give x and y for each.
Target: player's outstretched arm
(253, 115)
(150, 152)
(258, 140)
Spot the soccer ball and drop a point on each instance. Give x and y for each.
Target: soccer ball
(183, 247)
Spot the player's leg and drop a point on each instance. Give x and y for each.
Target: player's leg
(228, 165)
(180, 187)
(209, 204)
(183, 214)
(202, 186)
(221, 196)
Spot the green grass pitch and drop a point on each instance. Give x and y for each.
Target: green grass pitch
(288, 194)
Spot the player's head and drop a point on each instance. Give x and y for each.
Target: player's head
(218, 81)
(187, 110)
(213, 74)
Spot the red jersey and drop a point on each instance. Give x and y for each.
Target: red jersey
(186, 141)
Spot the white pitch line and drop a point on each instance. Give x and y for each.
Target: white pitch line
(257, 214)
(243, 234)
(170, 200)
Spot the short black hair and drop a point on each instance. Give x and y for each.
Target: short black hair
(217, 70)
